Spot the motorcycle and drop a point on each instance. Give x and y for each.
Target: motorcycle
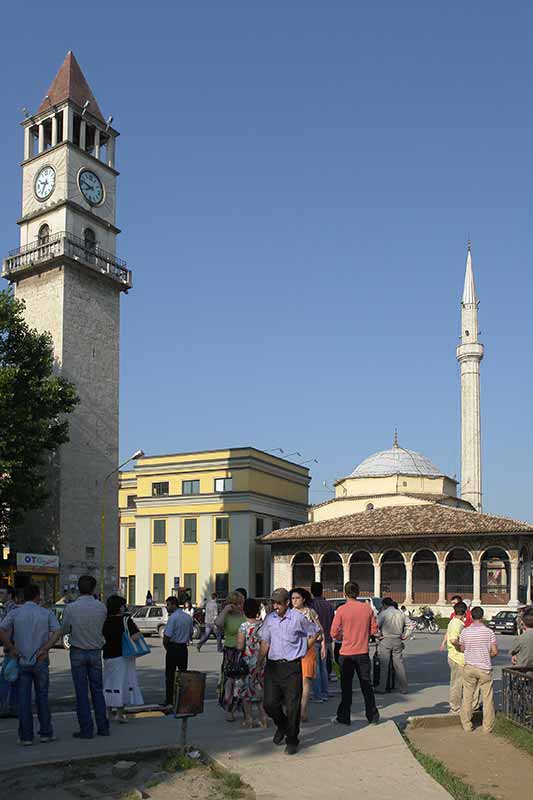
(426, 622)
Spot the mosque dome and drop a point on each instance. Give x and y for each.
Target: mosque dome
(396, 461)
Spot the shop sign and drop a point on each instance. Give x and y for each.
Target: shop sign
(35, 562)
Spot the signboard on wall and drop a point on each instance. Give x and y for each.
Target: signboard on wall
(36, 562)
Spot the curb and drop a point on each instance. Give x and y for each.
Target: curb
(430, 721)
(101, 759)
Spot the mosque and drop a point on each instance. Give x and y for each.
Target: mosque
(398, 527)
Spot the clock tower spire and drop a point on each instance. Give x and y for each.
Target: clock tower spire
(68, 274)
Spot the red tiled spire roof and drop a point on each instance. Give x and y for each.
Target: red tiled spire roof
(70, 84)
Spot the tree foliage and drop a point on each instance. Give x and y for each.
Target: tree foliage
(33, 405)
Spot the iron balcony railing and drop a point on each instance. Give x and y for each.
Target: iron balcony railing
(66, 244)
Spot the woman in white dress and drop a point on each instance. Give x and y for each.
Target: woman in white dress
(121, 687)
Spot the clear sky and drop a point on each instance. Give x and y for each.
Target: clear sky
(298, 182)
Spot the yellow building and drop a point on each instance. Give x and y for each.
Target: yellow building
(191, 520)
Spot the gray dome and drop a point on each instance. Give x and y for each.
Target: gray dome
(396, 461)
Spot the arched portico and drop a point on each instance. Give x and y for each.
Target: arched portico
(332, 572)
(425, 577)
(459, 573)
(362, 572)
(495, 576)
(393, 575)
(303, 570)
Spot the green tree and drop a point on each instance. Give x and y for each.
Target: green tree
(33, 405)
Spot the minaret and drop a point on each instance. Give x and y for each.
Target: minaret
(469, 355)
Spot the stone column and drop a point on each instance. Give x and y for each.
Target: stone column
(317, 571)
(27, 143)
(377, 579)
(408, 583)
(111, 152)
(54, 130)
(346, 571)
(41, 137)
(515, 577)
(442, 583)
(83, 134)
(68, 123)
(476, 600)
(97, 142)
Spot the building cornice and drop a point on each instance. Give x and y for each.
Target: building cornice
(74, 207)
(71, 146)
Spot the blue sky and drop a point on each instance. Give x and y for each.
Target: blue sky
(298, 181)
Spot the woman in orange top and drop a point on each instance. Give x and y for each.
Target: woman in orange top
(300, 600)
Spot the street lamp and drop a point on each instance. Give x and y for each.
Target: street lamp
(137, 454)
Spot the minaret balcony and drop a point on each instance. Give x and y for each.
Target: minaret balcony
(52, 251)
(472, 351)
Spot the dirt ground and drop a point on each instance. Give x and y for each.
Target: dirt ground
(95, 781)
(489, 763)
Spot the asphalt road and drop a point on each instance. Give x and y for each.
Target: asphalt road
(426, 668)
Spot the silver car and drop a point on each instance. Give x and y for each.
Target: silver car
(151, 620)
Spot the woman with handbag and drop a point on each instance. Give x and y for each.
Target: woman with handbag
(250, 687)
(121, 686)
(230, 620)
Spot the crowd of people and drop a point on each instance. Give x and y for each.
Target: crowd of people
(273, 664)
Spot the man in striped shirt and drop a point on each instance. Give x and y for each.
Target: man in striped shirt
(478, 643)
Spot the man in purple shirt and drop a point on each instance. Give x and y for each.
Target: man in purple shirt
(286, 635)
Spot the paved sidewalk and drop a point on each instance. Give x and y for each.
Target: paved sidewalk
(373, 760)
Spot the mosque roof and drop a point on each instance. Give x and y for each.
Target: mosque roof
(70, 84)
(396, 461)
(396, 521)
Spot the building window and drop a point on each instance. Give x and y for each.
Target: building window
(221, 584)
(130, 501)
(160, 489)
(131, 538)
(222, 529)
(190, 487)
(259, 526)
(189, 583)
(276, 524)
(131, 590)
(89, 553)
(43, 237)
(259, 584)
(190, 529)
(159, 588)
(223, 484)
(160, 531)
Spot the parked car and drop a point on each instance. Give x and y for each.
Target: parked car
(504, 622)
(151, 621)
(375, 602)
(59, 610)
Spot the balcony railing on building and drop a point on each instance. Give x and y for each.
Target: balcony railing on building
(63, 244)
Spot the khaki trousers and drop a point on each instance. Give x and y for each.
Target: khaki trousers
(477, 679)
(456, 688)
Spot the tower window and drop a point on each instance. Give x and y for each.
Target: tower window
(43, 237)
(89, 244)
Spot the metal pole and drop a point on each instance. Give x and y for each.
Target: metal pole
(102, 551)
(183, 737)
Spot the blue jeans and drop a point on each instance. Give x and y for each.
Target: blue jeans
(320, 683)
(38, 677)
(86, 668)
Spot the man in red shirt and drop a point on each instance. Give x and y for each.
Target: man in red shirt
(468, 616)
(355, 623)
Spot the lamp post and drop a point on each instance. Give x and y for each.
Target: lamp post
(137, 454)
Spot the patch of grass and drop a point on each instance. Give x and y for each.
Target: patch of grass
(451, 782)
(176, 761)
(231, 784)
(519, 737)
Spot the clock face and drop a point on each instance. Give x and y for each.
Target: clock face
(45, 183)
(91, 187)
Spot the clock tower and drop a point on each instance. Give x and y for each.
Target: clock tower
(70, 279)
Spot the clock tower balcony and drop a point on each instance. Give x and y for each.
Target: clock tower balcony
(58, 247)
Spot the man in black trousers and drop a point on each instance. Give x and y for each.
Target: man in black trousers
(178, 634)
(286, 636)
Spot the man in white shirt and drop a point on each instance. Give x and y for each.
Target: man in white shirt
(84, 620)
(211, 613)
(28, 632)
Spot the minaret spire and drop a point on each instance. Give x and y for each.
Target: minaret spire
(469, 354)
